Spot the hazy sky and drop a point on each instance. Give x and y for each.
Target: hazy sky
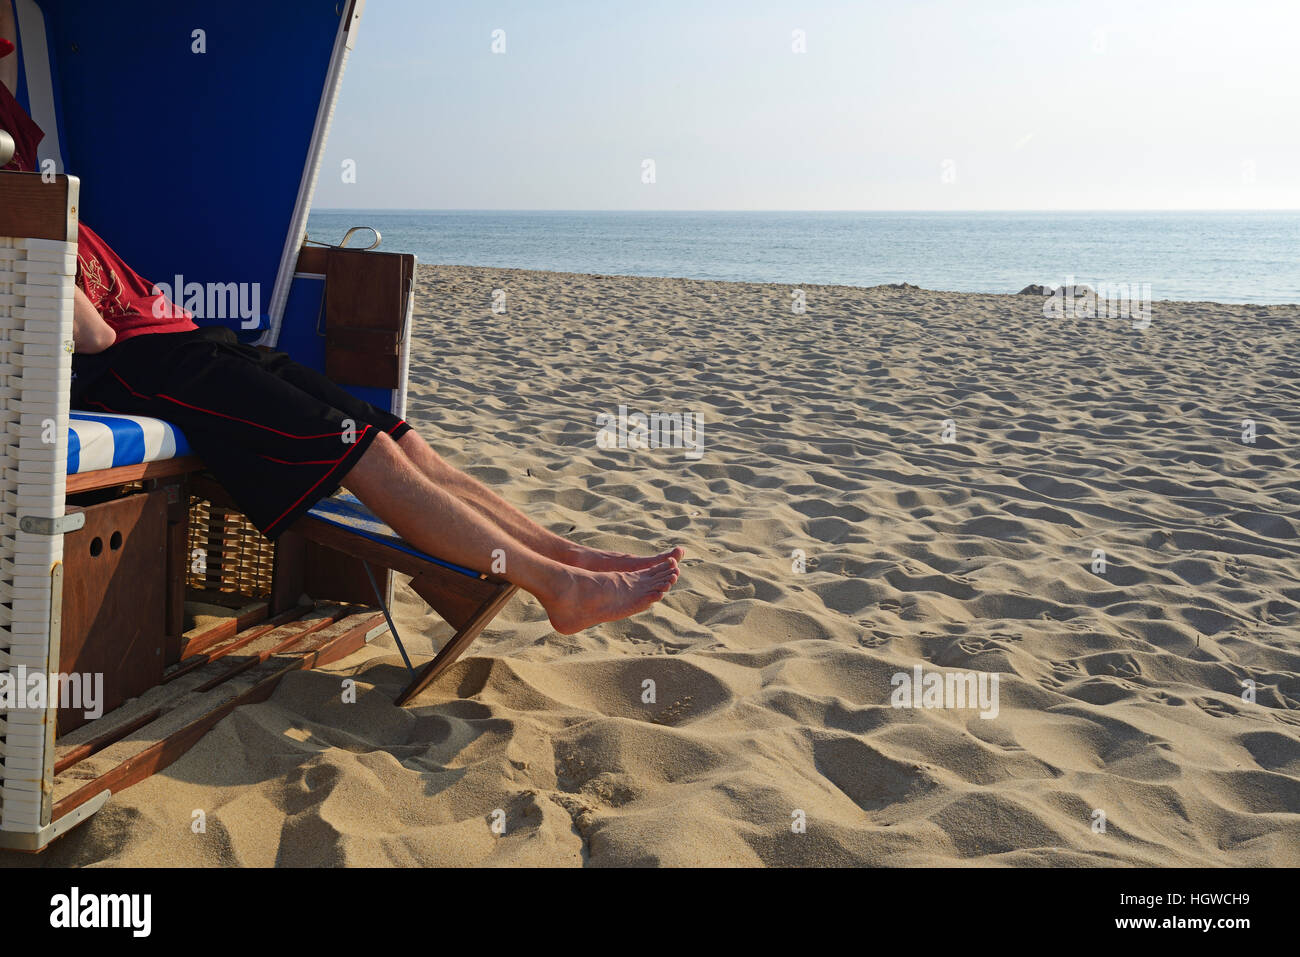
(913, 104)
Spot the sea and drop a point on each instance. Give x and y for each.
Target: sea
(1230, 257)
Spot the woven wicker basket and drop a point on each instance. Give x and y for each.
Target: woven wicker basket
(227, 552)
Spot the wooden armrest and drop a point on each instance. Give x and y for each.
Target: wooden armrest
(34, 207)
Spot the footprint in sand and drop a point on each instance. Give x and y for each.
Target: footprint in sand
(976, 645)
(1159, 539)
(874, 640)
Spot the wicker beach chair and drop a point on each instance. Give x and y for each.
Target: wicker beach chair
(119, 555)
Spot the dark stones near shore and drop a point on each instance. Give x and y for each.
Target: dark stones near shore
(1037, 290)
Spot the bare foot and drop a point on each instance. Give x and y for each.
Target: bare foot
(584, 598)
(598, 560)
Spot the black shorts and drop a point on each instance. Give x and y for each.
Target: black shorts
(276, 434)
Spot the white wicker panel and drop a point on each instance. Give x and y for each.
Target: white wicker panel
(36, 288)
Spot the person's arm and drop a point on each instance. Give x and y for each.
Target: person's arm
(9, 31)
(90, 333)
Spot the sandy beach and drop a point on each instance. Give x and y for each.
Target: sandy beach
(893, 479)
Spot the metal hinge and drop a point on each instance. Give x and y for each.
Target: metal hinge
(37, 525)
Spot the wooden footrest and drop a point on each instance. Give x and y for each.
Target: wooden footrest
(466, 599)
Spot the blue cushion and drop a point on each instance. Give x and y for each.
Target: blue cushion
(345, 510)
(102, 441)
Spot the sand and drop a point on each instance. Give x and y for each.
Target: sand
(771, 737)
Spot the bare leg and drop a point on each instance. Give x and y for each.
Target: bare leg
(515, 522)
(435, 520)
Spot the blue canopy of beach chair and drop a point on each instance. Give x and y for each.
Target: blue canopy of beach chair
(195, 128)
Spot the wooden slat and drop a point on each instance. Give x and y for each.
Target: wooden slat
(222, 599)
(315, 650)
(177, 688)
(33, 209)
(197, 640)
(106, 478)
(230, 644)
(291, 636)
(94, 746)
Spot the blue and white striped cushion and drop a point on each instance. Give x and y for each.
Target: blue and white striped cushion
(102, 441)
(344, 510)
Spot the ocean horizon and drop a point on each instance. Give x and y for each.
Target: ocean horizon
(1229, 256)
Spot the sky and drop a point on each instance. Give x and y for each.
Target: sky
(901, 105)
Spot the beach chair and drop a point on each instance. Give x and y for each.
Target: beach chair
(119, 556)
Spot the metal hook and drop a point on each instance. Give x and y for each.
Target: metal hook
(375, 245)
